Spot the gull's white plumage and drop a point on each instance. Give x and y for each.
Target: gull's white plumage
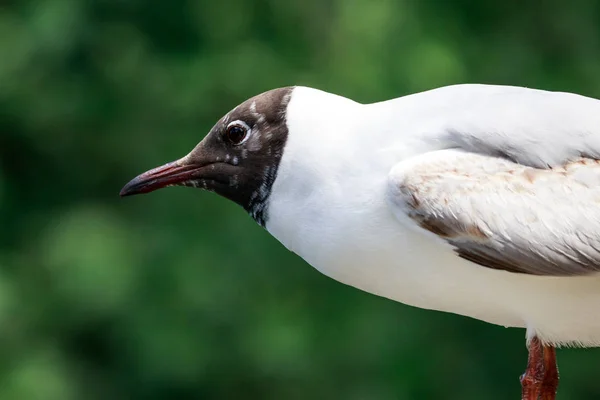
(337, 199)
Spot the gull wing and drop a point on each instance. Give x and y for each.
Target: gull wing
(502, 214)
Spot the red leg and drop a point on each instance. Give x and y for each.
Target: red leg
(532, 379)
(550, 381)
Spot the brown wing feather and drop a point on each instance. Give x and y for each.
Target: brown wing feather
(503, 215)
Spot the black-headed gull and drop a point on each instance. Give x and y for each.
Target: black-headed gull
(478, 200)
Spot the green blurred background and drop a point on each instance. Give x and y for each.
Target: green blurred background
(180, 295)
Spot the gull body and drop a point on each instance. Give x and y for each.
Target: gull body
(333, 203)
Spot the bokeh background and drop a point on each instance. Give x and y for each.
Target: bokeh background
(179, 294)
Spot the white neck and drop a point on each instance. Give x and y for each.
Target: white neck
(332, 161)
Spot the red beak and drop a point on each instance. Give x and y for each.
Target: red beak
(173, 173)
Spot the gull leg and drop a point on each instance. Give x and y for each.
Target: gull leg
(550, 380)
(531, 380)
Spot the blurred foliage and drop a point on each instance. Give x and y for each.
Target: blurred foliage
(179, 295)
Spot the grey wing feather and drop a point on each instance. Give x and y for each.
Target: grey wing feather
(505, 215)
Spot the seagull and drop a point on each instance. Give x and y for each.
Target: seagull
(478, 200)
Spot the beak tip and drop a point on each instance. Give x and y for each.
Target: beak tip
(131, 188)
(124, 192)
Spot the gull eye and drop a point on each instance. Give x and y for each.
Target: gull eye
(236, 133)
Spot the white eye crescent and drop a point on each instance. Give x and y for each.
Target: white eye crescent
(237, 132)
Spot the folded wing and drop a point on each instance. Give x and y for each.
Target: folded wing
(502, 214)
